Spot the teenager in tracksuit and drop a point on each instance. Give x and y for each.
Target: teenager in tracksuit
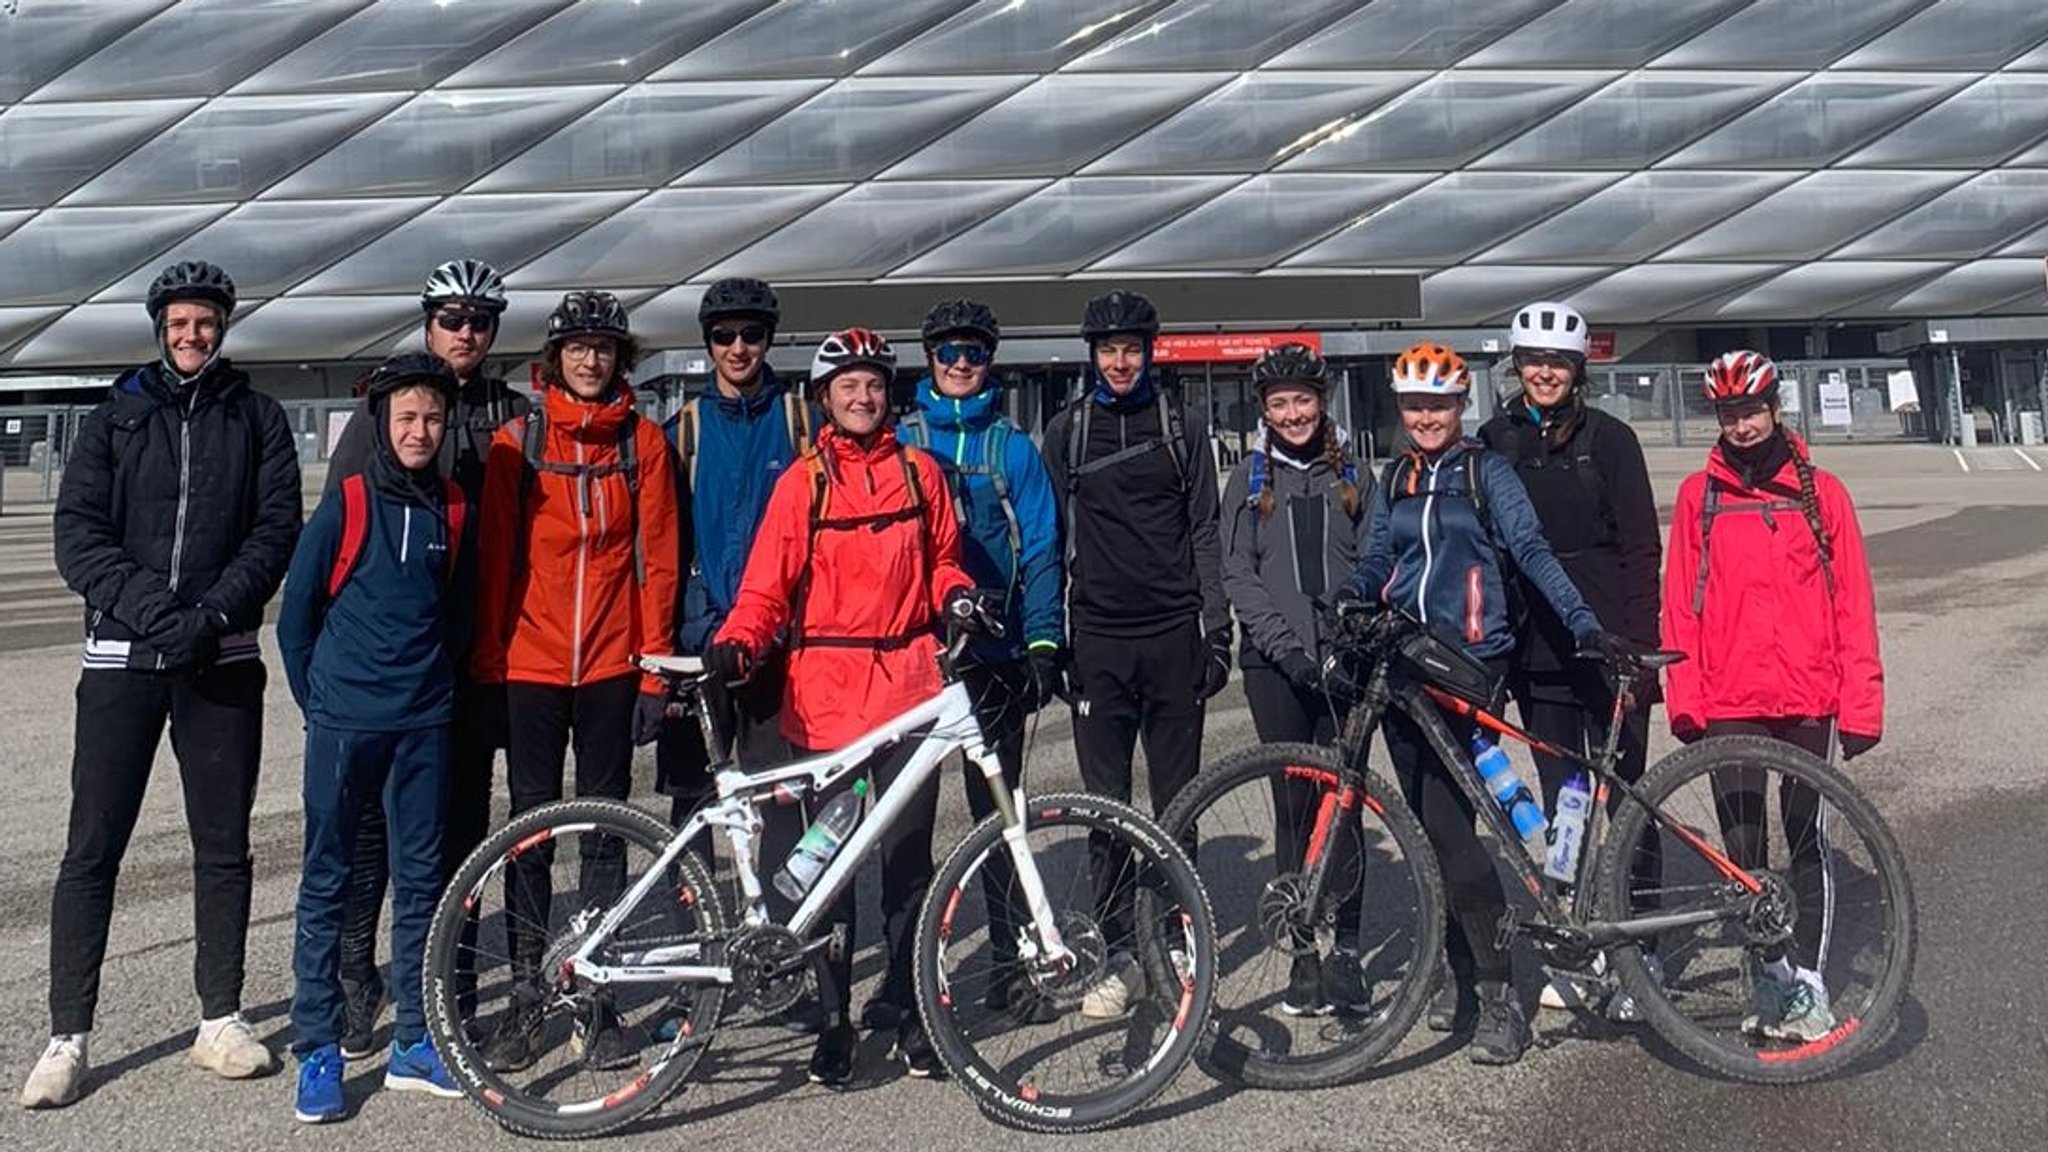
(464, 301)
(1293, 519)
(1009, 542)
(1151, 627)
(176, 521)
(1430, 555)
(370, 633)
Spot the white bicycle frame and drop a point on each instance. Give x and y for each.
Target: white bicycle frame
(953, 728)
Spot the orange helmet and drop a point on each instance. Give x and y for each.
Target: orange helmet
(1431, 369)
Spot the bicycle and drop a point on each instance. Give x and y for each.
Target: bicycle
(625, 969)
(1300, 843)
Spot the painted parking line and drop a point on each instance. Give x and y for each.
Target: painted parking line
(1961, 459)
(2031, 462)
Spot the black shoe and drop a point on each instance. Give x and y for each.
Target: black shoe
(1502, 1032)
(915, 1048)
(1453, 1008)
(360, 1004)
(1304, 996)
(832, 1060)
(1344, 987)
(600, 1043)
(514, 1044)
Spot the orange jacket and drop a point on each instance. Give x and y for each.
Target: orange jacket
(569, 610)
(864, 646)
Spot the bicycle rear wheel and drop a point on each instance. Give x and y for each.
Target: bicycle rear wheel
(1836, 906)
(546, 1053)
(1255, 814)
(1046, 1046)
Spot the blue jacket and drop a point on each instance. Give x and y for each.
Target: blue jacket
(376, 658)
(1428, 555)
(957, 431)
(743, 445)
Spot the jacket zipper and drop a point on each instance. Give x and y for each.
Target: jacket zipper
(582, 554)
(405, 540)
(184, 493)
(1428, 546)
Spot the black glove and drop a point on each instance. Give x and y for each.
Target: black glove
(1686, 733)
(730, 661)
(193, 639)
(648, 713)
(1613, 648)
(1301, 671)
(1216, 671)
(1048, 678)
(1854, 745)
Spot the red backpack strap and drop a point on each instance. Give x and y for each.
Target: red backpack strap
(457, 505)
(355, 528)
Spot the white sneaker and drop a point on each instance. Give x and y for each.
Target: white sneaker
(1807, 1016)
(58, 1075)
(1562, 993)
(228, 1049)
(1113, 995)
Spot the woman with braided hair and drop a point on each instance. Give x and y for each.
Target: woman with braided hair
(1293, 518)
(1767, 592)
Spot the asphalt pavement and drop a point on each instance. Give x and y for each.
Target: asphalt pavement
(1960, 557)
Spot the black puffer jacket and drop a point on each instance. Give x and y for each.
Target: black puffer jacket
(175, 500)
(480, 408)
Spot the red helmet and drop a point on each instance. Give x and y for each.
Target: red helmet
(1741, 375)
(850, 348)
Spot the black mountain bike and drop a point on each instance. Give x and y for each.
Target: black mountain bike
(1765, 957)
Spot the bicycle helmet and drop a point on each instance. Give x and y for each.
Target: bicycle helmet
(472, 281)
(409, 368)
(1290, 364)
(961, 317)
(1431, 369)
(1120, 311)
(588, 313)
(191, 280)
(1741, 375)
(1547, 326)
(853, 348)
(739, 296)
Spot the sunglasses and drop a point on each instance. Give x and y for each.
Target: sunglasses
(751, 334)
(976, 355)
(457, 321)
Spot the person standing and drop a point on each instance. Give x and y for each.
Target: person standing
(1151, 627)
(176, 520)
(464, 301)
(1293, 519)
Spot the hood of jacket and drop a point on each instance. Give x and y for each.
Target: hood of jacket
(148, 385)
(590, 421)
(968, 413)
(1264, 442)
(421, 486)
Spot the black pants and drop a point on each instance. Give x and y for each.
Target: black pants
(1134, 688)
(1448, 819)
(1739, 803)
(1285, 713)
(1573, 713)
(216, 722)
(466, 818)
(752, 712)
(545, 718)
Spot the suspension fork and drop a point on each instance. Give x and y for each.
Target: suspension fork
(1024, 866)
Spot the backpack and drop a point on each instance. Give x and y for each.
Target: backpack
(1783, 502)
(355, 529)
(1579, 458)
(813, 461)
(1391, 480)
(1172, 431)
(533, 440)
(796, 414)
(1262, 472)
(914, 431)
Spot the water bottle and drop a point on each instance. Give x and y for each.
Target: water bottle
(820, 843)
(1568, 830)
(1507, 788)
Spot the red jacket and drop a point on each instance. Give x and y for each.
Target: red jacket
(1768, 639)
(863, 576)
(570, 610)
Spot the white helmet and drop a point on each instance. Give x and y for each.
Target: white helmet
(1551, 327)
(470, 280)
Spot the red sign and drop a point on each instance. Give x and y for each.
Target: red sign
(1197, 347)
(1600, 344)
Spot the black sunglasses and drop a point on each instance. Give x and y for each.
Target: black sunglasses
(751, 334)
(457, 321)
(976, 355)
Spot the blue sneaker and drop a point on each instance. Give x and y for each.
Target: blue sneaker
(319, 1100)
(419, 1069)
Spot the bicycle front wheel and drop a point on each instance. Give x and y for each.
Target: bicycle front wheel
(1073, 1035)
(1324, 969)
(1803, 971)
(537, 1047)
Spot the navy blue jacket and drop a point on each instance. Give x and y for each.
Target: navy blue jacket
(1428, 555)
(956, 433)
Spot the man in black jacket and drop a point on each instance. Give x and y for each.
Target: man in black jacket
(176, 521)
(463, 301)
(1150, 624)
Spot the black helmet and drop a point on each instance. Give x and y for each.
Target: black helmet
(963, 315)
(470, 280)
(1119, 311)
(408, 368)
(739, 296)
(191, 280)
(587, 313)
(1290, 364)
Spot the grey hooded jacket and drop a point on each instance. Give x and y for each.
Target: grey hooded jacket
(1276, 567)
